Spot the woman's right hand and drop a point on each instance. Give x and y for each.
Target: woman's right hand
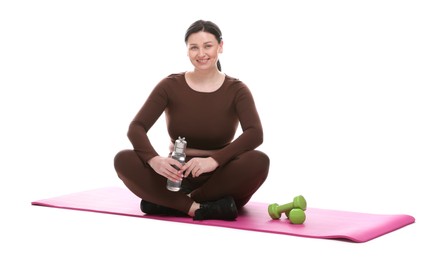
(166, 166)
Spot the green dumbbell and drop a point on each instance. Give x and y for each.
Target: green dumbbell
(297, 216)
(275, 210)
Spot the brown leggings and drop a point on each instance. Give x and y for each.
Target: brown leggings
(239, 178)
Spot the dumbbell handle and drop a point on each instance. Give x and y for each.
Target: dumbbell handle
(298, 202)
(285, 207)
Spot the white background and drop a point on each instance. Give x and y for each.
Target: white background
(352, 95)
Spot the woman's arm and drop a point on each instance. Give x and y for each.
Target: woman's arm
(192, 152)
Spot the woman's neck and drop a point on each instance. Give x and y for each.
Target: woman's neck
(205, 75)
(205, 81)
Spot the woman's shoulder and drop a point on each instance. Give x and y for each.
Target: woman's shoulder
(235, 84)
(234, 81)
(231, 78)
(172, 79)
(175, 76)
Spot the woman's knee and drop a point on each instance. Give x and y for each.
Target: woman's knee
(261, 159)
(122, 160)
(255, 164)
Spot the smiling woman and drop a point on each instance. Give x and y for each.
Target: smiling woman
(205, 106)
(204, 44)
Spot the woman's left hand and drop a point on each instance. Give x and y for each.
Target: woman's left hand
(197, 166)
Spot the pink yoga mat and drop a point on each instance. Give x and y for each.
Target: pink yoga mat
(319, 223)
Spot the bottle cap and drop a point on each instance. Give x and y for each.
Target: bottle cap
(180, 145)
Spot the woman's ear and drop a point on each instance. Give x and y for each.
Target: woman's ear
(221, 44)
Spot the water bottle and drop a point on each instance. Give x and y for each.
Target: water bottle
(178, 154)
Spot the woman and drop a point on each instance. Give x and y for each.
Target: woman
(205, 106)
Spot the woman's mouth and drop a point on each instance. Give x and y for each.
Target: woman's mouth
(202, 61)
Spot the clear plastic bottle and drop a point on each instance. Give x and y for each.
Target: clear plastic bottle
(178, 154)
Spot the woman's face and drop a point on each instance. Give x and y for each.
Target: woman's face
(203, 50)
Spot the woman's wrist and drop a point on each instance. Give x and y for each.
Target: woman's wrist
(192, 152)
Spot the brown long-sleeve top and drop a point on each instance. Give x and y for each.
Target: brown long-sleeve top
(208, 121)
